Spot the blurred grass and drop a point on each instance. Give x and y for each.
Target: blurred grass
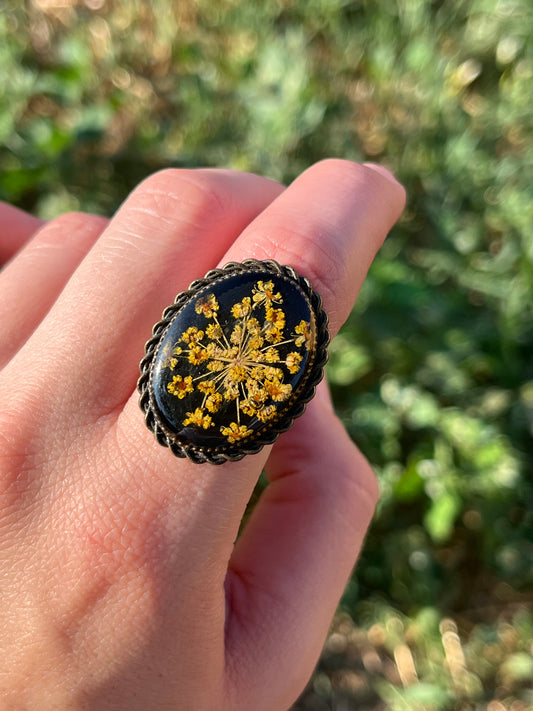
(433, 373)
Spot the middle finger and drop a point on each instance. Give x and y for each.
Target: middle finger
(174, 226)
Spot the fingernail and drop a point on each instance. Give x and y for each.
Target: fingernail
(382, 171)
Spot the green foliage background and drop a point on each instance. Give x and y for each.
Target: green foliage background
(433, 373)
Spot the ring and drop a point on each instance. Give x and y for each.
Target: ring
(233, 361)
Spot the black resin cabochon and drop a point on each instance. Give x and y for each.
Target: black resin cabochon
(233, 361)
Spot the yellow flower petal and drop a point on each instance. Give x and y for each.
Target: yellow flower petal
(180, 386)
(235, 432)
(207, 305)
(198, 418)
(293, 362)
(213, 402)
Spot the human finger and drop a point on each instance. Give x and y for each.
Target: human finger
(328, 225)
(291, 564)
(181, 517)
(31, 282)
(308, 527)
(337, 216)
(175, 225)
(16, 227)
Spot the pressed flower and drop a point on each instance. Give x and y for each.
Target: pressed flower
(248, 407)
(237, 334)
(271, 373)
(214, 331)
(242, 308)
(277, 390)
(275, 317)
(256, 356)
(253, 326)
(255, 342)
(208, 306)
(233, 360)
(235, 432)
(206, 386)
(236, 374)
(213, 402)
(293, 362)
(264, 291)
(273, 334)
(231, 390)
(264, 414)
(180, 386)
(198, 418)
(245, 361)
(192, 336)
(256, 390)
(255, 400)
(197, 355)
(303, 335)
(272, 355)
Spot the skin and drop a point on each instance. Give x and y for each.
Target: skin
(121, 583)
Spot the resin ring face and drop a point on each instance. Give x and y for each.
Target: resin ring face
(233, 361)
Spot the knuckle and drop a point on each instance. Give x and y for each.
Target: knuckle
(194, 195)
(17, 461)
(67, 219)
(68, 225)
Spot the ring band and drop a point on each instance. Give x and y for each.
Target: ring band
(233, 361)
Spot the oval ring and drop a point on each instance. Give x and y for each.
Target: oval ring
(233, 361)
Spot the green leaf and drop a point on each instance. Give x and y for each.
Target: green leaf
(440, 518)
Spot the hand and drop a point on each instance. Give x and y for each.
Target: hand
(122, 586)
